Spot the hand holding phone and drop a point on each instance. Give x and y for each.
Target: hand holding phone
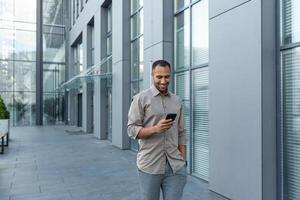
(166, 123)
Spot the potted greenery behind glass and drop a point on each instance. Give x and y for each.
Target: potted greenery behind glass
(4, 118)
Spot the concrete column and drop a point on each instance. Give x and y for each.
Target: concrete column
(87, 97)
(121, 72)
(158, 34)
(242, 85)
(100, 99)
(72, 97)
(97, 93)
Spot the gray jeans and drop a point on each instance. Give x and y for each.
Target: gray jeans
(170, 183)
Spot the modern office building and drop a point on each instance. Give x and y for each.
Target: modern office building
(235, 64)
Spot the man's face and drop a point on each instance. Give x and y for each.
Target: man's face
(161, 78)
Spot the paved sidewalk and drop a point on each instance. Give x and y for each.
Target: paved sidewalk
(48, 163)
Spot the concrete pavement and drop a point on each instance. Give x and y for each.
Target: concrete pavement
(48, 163)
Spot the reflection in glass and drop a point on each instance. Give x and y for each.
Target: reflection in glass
(134, 25)
(141, 57)
(109, 19)
(53, 76)
(53, 11)
(93, 45)
(290, 26)
(135, 60)
(200, 33)
(24, 108)
(25, 76)
(180, 4)
(25, 45)
(18, 42)
(53, 44)
(6, 43)
(53, 108)
(182, 40)
(135, 5)
(6, 76)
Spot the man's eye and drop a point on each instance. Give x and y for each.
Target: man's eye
(159, 77)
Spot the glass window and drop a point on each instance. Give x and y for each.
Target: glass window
(81, 4)
(93, 45)
(25, 15)
(74, 10)
(80, 57)
(25, 45)
(141, 57)
(54, 75)
(6, 76)
(24, 108)
(182, 89)
(135, 60)
(109, 45)
(53, 44)
(180, 4)
(53, 108)
(18, 59)
(77, 8)
(7, 10)
(137, 51)
(53, 11)
(200, 123)
(200, 33)
(291, 122)
(182, 40)
(290, 26)
(136, 4)
(196, 107)
(109, 19)
(6, 43)
(290, 98)
(25, 76)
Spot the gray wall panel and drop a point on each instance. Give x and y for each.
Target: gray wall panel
(218, 7)
(235, 115)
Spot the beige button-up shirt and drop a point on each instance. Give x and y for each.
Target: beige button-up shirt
(146, 110)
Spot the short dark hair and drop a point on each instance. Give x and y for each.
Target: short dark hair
(162, 63)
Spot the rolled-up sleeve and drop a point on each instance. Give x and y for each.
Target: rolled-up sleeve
(182, 140)
(135, 118)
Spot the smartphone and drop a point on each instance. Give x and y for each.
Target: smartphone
(171, 116)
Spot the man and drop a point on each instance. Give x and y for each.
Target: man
(161, 159)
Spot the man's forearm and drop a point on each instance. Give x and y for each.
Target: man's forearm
(182, 149)
(145, 133)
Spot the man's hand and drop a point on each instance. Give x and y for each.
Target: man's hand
(163, 125)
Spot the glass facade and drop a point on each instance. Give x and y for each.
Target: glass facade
(191, 79)
(137, 49)
(53, 60)
(18, 59)
(290, 98)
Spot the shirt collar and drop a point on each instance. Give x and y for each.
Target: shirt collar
(156, 92)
